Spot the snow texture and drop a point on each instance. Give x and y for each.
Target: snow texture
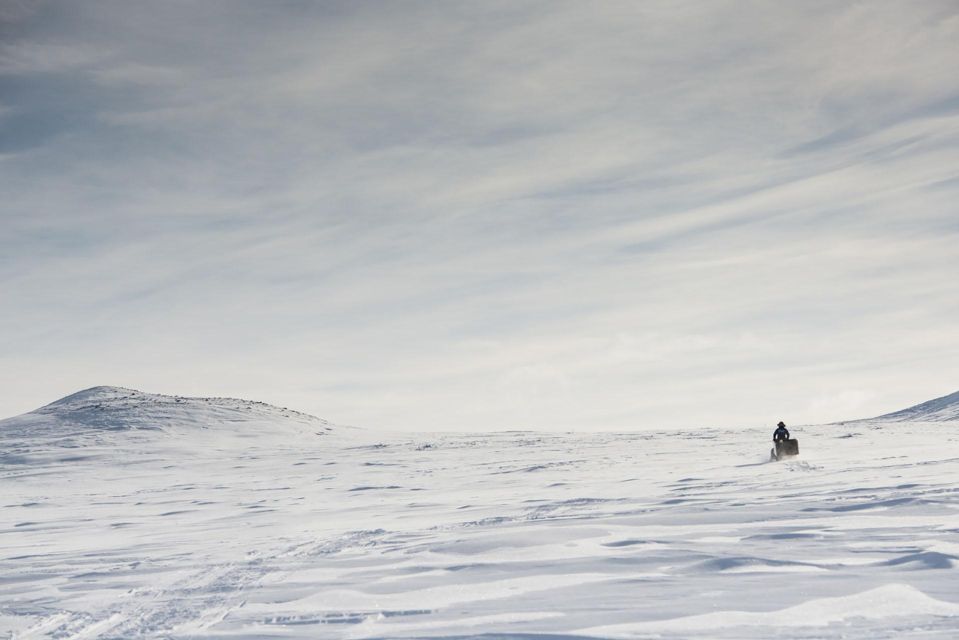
(131, 515)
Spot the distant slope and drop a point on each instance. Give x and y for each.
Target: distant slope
(942, 409)
(105, 409)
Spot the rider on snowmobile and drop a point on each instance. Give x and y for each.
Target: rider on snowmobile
(781, 433)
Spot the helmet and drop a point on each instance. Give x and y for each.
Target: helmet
(781, 424)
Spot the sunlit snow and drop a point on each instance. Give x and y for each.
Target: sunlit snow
(131, 515)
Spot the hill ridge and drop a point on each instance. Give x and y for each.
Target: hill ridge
(942, 409)
(110, 408)
(108, 393)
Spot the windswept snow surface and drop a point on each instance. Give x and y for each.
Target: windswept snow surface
(152, 517)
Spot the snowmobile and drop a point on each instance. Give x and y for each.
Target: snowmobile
(784, 449)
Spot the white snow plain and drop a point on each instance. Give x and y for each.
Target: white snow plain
(127, 515)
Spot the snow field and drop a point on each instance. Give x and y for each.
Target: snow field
(245, 528)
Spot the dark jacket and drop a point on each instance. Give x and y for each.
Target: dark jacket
(780, 434)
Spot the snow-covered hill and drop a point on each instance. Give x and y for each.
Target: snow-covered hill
(125, 531)
(942, 409)
(101, 409)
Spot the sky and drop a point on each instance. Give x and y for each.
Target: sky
(484, 215)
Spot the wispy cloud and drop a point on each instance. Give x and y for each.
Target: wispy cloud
(484, 215)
